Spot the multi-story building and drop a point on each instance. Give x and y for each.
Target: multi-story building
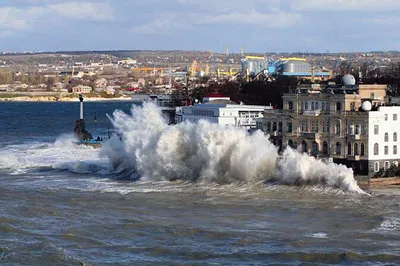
(349, 124)
(222, 111)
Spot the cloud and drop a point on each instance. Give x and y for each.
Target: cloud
(173, 22)
(83, 11)
(19, 18)
(163, 24)
(345, 5)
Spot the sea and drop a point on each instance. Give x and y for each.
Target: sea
(188, 194)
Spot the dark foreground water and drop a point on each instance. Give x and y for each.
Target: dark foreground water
(62, 204)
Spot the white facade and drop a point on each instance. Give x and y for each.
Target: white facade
(383, 137)
(222, 114)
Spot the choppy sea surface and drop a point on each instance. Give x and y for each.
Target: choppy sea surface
(146, 200)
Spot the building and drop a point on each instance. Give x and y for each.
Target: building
(220, 110)
(349, 124)
(82, 89)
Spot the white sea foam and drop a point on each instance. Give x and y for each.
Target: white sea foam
(153, 150)
(63, 154)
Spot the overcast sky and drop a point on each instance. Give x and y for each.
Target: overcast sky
(256, 25)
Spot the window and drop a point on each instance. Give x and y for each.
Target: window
(316, 105)
(376, 149)
(337, 128)
(302, 106)
(363, 129)
(394, 136)
(290, 105)
(387, 165)
(306, 105)
(338, 148)
(274, 126)
(386, 150)
(349, 148)
(372, 95)
(386, 117)
(327, 106)
(338, 106)
(395, 149)
(323, 106)
(312, 106)
(362, 149)
(396, 163)
(356, 149)
(394, 117)
(350, 130)
(386, 137)
(376, 167)
(304, 126)
(268, 126)
(280, 126)
(357, 129)
(353, 106)
(314, 126)
(376, 129)
(289, 127)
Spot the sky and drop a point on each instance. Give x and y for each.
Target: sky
(256, 25)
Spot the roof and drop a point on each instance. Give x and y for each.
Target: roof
(216, 95)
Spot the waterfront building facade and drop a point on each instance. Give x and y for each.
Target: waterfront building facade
(347, 124)
(222, 112)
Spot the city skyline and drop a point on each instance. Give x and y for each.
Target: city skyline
(256, 25)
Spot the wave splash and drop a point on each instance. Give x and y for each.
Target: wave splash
(153, 150)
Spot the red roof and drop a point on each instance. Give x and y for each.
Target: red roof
(216, 95)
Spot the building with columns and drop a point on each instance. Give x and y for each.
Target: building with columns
(349, 124)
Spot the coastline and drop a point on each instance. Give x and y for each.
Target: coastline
(60, 99)
(381, 183)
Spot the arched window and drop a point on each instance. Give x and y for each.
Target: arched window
(394, 136)
(325, 148)
(386, 137)
(304, 146)
(337, 127)
(315, 148)
(362, 149)
(376, 149)
(356, 149)
(274, 126)
(349, 148)
(338, 148)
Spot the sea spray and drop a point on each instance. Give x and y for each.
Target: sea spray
(299, 168)
(146, 147)
(201, 152)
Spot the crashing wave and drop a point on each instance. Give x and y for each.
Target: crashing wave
(153, 150)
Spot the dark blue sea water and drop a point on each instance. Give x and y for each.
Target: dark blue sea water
(64, 204)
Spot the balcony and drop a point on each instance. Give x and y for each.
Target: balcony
(310, 135)
(353, 157)
(311, 112)
(353, 137)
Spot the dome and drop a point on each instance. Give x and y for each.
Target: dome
(348, 80)
(366, 106)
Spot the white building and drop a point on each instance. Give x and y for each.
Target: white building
(383, 137)
(227, 114)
